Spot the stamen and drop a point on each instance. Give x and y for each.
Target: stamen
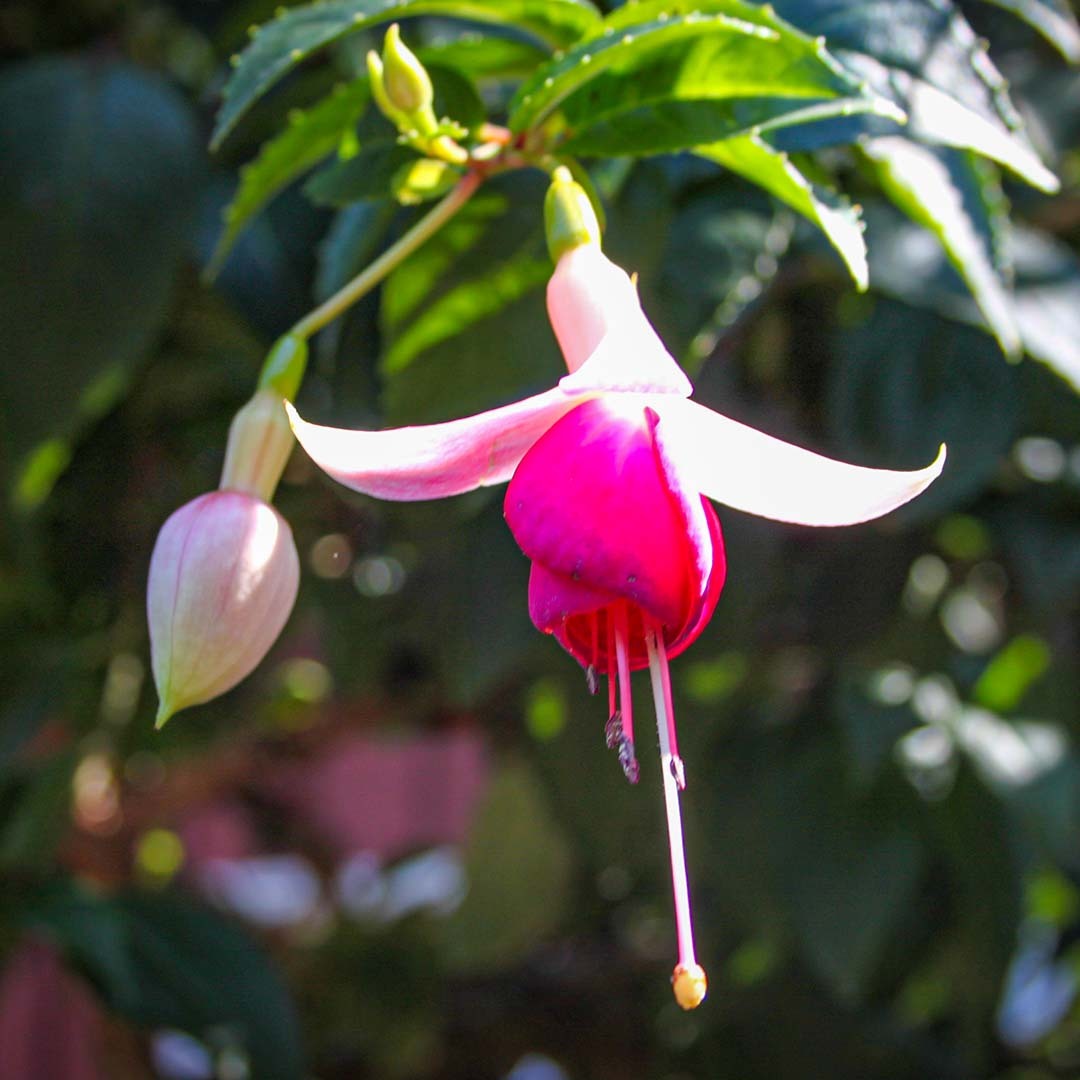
(622, 656)
(627, 757)
(688, 980)
(611, 684)
(592, 680)
(678, 771)
(613, 730)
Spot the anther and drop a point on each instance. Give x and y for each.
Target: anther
(613, 730)
(678, 771)
(592, 679)
(628, 760)
(689, 984)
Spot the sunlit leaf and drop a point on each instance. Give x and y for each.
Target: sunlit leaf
(951, 196)
(936, 70)
(1054, 19)
(752, 157)
(296, 33)
(1046, 296)
(663, 76)
(310, 136)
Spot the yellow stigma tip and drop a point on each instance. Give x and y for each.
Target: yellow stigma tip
(690, 985)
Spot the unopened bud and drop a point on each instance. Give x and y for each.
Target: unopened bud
(569, 218)
(376, 75)
(223, 580)
(407, 83)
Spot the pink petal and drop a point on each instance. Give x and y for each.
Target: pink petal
(435, 460)
(590, 502)
(631, 359)
(749, 470)
(554, 598)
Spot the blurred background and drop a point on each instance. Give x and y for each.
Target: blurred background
(399, 849)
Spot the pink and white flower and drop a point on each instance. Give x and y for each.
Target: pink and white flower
(611, 473)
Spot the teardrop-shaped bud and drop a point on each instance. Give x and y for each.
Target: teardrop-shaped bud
(569, 217)
(223, 580)
(407, 83)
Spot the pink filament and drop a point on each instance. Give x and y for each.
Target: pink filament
(611, 694)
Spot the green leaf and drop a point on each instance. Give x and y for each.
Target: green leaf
(849, 874)
(486, 57)
(1046, 296)
(468, 304)
(365, 175)
(406, 288)
(164, 961)
(455, 96)
(669, 76)
(937, 71)
(750, 156)
(310, 136)
(949, 194)
(1054, 19)
(941, 382)
(1048, 302)
(296, 33)
(723, 248)
(463, 325)
(102, 167)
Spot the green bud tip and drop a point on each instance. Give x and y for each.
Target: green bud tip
(164, 714)
(569, 218)
(376, 74)
(408, 85)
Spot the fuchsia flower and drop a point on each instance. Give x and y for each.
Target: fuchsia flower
(610, 475)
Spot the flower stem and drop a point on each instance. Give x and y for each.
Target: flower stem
(390, 259)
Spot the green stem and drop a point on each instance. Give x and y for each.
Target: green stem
(392, 257)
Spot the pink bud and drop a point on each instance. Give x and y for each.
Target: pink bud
(223, 579)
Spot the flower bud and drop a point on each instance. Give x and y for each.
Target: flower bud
(569, 218)
(223, 580)
(407, 83)
(377, 76)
